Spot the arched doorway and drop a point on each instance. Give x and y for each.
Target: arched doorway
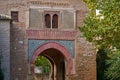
(59, 57)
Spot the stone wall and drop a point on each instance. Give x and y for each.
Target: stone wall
(36, 19)
(5, 47)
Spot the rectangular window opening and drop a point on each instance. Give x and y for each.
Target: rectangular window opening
(14, 16)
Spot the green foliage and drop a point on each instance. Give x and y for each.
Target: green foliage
(113, 72)
(42, 62)
(91, 4)
(103, 30)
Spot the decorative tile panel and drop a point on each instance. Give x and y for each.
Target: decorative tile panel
(34, 44)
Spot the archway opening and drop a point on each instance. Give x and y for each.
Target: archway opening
(59, 57)
(58, 63)
(56, 69)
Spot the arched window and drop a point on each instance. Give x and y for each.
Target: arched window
(55, 21)
(47, 21)
(51, 19)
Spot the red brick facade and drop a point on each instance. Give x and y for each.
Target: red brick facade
(31, 26)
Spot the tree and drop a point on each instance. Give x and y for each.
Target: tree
(42, 62)
(103, 30)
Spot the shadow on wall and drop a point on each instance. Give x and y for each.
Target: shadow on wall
(1, 72)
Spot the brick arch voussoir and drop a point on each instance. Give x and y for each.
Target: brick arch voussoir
(57, 46)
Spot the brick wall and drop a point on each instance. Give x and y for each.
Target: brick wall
(18, 64)
(85, 59)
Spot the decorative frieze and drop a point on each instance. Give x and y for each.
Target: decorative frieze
(51, 34)
(49, 3)
(16, 4)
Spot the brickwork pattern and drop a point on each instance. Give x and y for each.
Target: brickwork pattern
(18, 53)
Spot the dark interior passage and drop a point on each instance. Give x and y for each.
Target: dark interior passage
(58, 63)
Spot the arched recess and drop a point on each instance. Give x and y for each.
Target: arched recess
(57, 46)
(47, 20)
(55, 21)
